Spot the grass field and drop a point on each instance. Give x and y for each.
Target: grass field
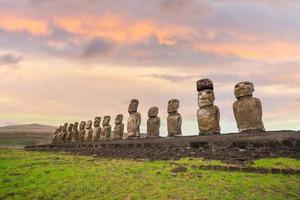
(42, 175)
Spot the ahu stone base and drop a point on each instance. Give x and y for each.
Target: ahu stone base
(233, 148)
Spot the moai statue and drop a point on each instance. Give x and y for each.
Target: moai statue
(56, 135)
(63, 134)
(75, 132)
(247, 109)
(69, 133)
(97, 129)
(208, 114)
(119, 128)
(174, 119)
(153, 123)
(106, 128)
(88, 131)
(81, 131)
(134, 120)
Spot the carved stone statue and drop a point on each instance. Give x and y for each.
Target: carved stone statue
(81, 131)
(56, 135)
(63, 133)
(134, 120)
(247, 109)
(174, 119)
(106, 128)
(208, 114)
(88, 131)
(75, 132)
(97, 129)
(153, 123)
(69, 133)
(119, 128)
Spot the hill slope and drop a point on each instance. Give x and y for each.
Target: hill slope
(27, 134)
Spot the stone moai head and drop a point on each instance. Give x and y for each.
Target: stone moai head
(70, 127)
(82, 125)
(58, 129)
(89, 124)
(106, 120)
(119, 119)
(75, 127)
(243, 89)
(153, 112)
(65, 127)
(133, 106)
(173, 106)
(97, 121)
(206, 95)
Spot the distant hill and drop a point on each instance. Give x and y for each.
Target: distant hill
(26, 134)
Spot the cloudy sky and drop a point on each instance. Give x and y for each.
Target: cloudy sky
(64, 60)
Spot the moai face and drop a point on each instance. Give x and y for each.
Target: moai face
(82, 125)
(244, 88)
(106, 120)
(97, 121)
(70, 127)
(206, 98)
(173, 106)
(153, 112)
(89, 124)
(119, 119)
(75, 127)
(133, 106)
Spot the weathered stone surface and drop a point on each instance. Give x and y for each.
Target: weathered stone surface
(247, 109)
(153, 123)
(174, 119)
(81, 134)
(119, 128)
(134, 120)
(97, 128)
(56, 135)
(88, 131)
(69, 133)
(75, 133)
(106, 128)
(208, 115)
(63, 133)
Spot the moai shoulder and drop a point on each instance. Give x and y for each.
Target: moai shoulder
(119, 128)
(134, 120)
(153, 123)
(106, 128)
(97, 128)
(208, 114)
(174, 119)
(247, 109)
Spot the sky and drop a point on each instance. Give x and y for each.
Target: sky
(65, 61)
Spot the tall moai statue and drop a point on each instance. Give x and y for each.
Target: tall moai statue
(97, 128)
(119, 128)
(208, 115)
(174, 119)
(81, 134)
(63, 134)
(247, 109)
(88, 131)
(153, 123)
(56, 135)
(69, 133)
(75, 132)
(106, 128)
(134, 120)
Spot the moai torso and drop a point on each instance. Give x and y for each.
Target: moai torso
(75, 134)
(247, 109)
(69, 133)
(119, 128)
(134, 120)
(97, 129)
(88, 131)
(208, 115)
(174, 119)
(106, 128)
(81, 131)
(153, 123)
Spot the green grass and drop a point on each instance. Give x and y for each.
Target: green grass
(278, 163)
(42, 175)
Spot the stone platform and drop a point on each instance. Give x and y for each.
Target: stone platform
(233, 147)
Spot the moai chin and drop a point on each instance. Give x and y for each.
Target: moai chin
(174, 119)
(119, 128)
(247, 109)
(56, 135)
(81, 131)
(88, 131)
(97, 128)
(134, 120)
(106, 128)
(75, 133)
(69, 133)
(208, 115)
(153, 123)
